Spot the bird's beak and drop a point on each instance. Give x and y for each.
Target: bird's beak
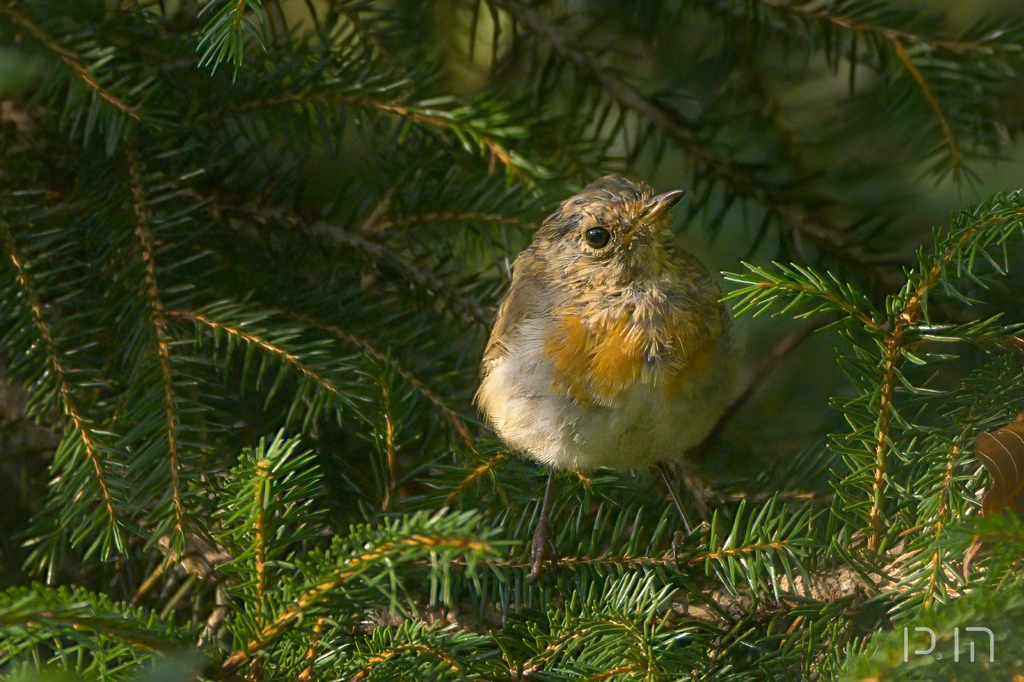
(663, 202)
(657, 207)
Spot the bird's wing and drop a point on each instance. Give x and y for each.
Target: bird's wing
(523, 299)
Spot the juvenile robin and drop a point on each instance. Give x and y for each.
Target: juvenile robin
(611, 347)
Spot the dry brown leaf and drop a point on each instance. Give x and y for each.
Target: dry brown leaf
(1002, 455)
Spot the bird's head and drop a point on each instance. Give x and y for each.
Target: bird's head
(613, 233)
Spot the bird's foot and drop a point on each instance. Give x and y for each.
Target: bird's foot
(542, 550)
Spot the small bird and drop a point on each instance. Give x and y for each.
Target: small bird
(611, 347)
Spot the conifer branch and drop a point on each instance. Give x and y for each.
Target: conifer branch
(819, 13)
(956, 158)
(391, 485)
(69, 405)
(454, 217)
(942, 518)
(259, 529)
(470, 309)
(71, 59)
(878, 28)
(488, 466)
(466, 307)
(103, 627)
(264, 345)
(666, 560)
(224, 35)
(890, 359)
(350, 568)
(385, 656)
(895, 340)
(826, 235)
(453, 417)
(160, 336)
(800, 284)
(307, 673)
(458, 120)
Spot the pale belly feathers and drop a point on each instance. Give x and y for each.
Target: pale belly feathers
(655, 418)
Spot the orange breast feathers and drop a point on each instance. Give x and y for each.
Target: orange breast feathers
(596, 364)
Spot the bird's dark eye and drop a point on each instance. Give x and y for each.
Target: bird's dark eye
(598, 237)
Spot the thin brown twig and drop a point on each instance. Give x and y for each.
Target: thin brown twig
(813, 12)
(768, 365)
(277, 351)
(161, 337)
(456, 217)
(71, 409)
(898, 40)
(399, 650)
(470, 309)
(389, 444)
(263, 475)
(71, 59)
(947, 130)
(490, 464)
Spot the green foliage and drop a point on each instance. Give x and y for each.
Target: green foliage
(251, 251)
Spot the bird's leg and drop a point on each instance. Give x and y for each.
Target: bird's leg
(666, 476)
(543, 547)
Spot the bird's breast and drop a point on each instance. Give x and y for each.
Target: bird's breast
(599, 361)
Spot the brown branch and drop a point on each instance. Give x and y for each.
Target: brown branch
(631, 668)
(941, 514)
(898, 40)
(926, 90)
(467, 308)
(69, 58)
(809, 11)
(98, 625)
(163, 351)
(399, 650)
(644, 561)
(890, 359)
(496, 150)
(456, 217)
(263, 476)
(307, 673)
(535, 662)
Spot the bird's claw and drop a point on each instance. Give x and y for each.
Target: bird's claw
(542, 550)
